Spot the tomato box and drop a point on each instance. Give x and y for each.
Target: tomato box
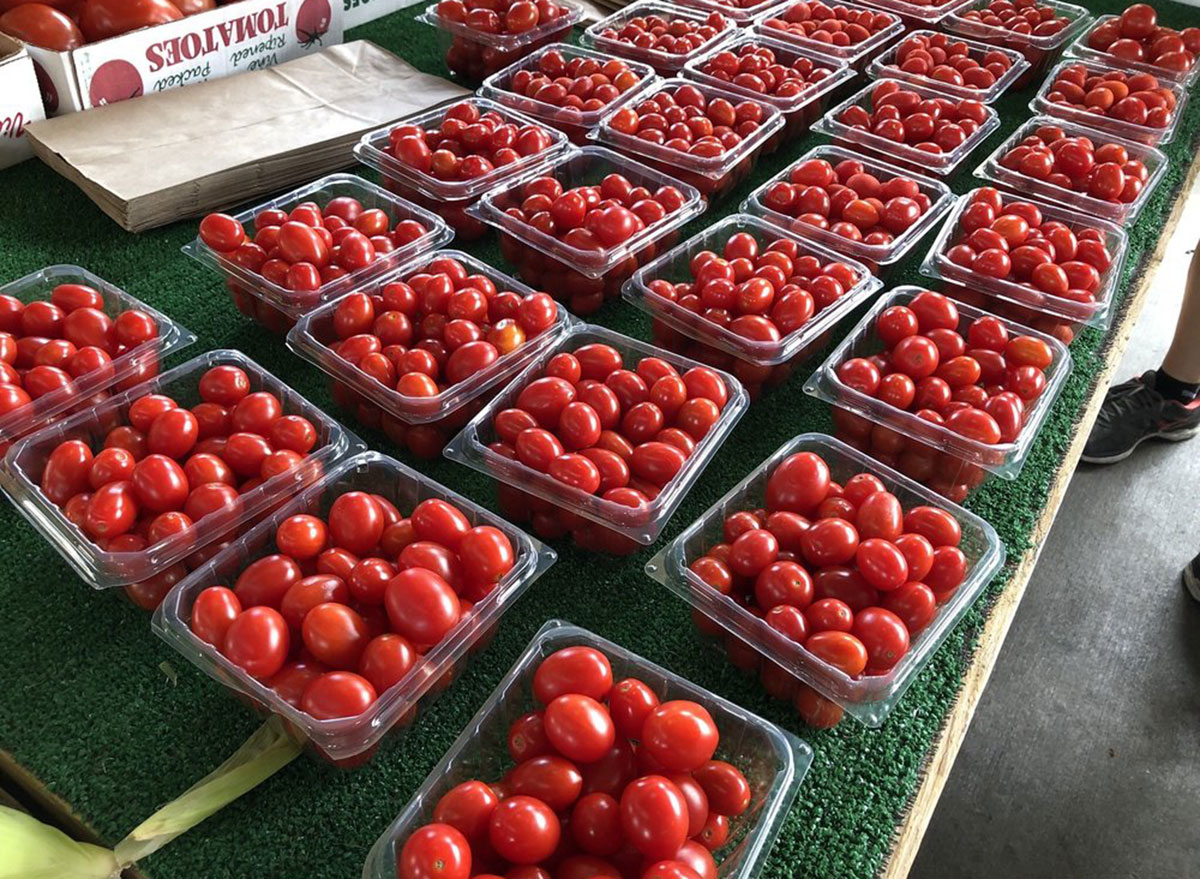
(20, 101)
(235, 38)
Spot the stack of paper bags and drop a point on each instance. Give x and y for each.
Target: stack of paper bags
(153, 160)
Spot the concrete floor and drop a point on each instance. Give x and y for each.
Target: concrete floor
(1083, 760)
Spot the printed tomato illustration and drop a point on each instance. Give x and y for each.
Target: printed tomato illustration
(312, 21)
(46, 85)
(115, 81)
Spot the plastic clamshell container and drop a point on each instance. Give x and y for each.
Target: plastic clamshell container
(943, 164)
(870, 698)
(348, 740)
(640, 524)
(23, 465)
(474, 55)
(853, 55)
(874, 255)
(744, 16)
(1039, 51)
(574, 123)
(132, 367)
(584, 278)
(314, 335)
(1003, 459)
(1041, 103)
(714, 176)
(666, 63)
(800, 111)
(674, 265)
(884, 67)
(773, 761)
(1117, 212)
(1096, 314)
(1081, 49)
(915, 15)
(276, 307)
(451, 198)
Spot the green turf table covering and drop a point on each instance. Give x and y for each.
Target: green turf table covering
(115, 723)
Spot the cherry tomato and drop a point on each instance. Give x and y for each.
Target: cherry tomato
(257, 641)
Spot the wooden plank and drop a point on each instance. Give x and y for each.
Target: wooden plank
(940, 759)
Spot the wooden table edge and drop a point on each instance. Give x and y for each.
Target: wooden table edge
(940, 758)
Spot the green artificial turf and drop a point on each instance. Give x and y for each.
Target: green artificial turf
(116, 723)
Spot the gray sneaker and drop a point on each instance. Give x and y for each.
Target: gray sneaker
(1191, 578)
(1133, 412)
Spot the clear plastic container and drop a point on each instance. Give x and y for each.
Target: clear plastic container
(128, 369)
(350, 741)
(1096, 314)
(666, 63)
(883, 67)
(1041, 103)
(870, 698)
(855, 55)
(475, 55)
(22, 468)
(1040, 51)
(714, 176)
(755, 363)
(773, 761)
(377, 405)
(451, 198)
(918, 15)
(1120, 213)
(622, 528)
(929, 453)
(276, 307)
(1081, 49)
(574, 123)
(877, 257)
(584, 278)
(800, 111)
(744, 16)
(944, 164)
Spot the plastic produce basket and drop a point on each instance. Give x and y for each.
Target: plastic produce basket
(743, 15)
(916, 15)
(800, 111)
(583, 278)
(439, 416)
(1041, 103)
(713, 176)
(1120, 213)
(573, 122)
(451, 198)
(855, 55)
(127, 370)
(350, 741)
(884, 67)
(1081, 49)
(276, 307)
(753, 362)
(877, 257)
(666, 63)
(474, 55)
(622, 528)
(1040, 51)
(929, 453)
(773, 761)
(1072, 314)
(25, 461)
(944, 164)
(870, 698)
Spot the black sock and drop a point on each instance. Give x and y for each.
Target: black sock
(1172, 388)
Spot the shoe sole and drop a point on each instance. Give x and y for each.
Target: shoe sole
(1172, 436)
(1190, 582)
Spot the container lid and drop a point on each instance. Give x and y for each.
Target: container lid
(884, 67)
(1081, 49)
(850, 54)
(1077, 19)
(593, 36)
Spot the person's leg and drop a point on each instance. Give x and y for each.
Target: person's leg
(1179, 375)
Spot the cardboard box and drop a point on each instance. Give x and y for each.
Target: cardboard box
(20, 101)
(238, 37)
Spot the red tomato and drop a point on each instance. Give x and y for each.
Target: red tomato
(884, 636)
(257, 641)
(680, 735)
(524, 830)
(583, 670)
(421, 606)
(654, 816)
(213, 611)
(630, 702)
(41, 25)
(435, 851)
(337, 694)
(468, 808)
(101, 19)
(579, 727)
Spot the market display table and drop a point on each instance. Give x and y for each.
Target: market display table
(103, 722)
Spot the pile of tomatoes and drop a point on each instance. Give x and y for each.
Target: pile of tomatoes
(352, 602)
(502, 27)
(842, 570)
(932, 125)
(1136, 98)
(944, 59)
(61, 27)
(307, 247)
(1136, 35)
(977, 384)
(758, 69)
(677, 36)
(840, 25)
(1008, 239)
(1023, 17)
(1104, 172)
(607, 781)
(46, 344)
(491, 17)
(848, 200)
(580, 83)
(683, 118)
